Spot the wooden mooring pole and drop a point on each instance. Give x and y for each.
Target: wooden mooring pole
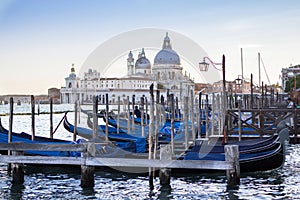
(106, 116)
(151, 134)
(118, 116)
(165, 173)
(186, 121)
(17, 170)
(128, 114)
(87, 172)
(51, 117)
(133, 108)
(32, 118)
(75, 121)
(11, 113)
(95, 117)
(232, 155)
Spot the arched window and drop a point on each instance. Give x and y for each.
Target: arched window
(174, 87)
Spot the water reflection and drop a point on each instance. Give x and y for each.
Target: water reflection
(16, 191)
(165, 192)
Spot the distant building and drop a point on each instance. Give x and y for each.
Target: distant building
(287, 73)
(71, 92)
(55, 94)
(166, 75)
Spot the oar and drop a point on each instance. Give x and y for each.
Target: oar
(60, 122)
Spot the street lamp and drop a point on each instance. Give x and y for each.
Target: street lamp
(238, 81)
(203, 66)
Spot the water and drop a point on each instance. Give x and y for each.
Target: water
(64, 183)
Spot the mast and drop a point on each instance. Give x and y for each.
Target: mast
(259, 78)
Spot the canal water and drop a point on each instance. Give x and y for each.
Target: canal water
(64, 182)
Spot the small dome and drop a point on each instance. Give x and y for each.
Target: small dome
(142, 62)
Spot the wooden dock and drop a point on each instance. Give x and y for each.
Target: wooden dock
(88, 162)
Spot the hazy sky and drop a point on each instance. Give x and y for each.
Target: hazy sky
(40, 39)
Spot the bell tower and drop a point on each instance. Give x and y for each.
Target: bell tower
(130, 64)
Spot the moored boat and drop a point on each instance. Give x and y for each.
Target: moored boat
(27, 138)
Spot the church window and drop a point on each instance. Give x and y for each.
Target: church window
(70, 85)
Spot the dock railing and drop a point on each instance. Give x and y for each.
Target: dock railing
(262, 121)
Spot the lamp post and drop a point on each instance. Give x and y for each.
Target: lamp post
(238, 82)
(203, 66)
(295, 82)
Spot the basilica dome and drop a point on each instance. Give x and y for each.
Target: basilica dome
(167, 55)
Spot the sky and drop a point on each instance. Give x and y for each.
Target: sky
(40, 40)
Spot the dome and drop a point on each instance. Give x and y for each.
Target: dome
(167, 55)
(142, 62)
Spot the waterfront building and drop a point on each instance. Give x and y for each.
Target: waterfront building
(71, 92)
(166, 75)
(289, 72)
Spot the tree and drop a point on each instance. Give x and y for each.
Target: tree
(290, 84)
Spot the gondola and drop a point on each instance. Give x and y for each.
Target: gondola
(245, 146)
(164, 133)
(123, 140)
(27, 138)
(269, 159)
(255, 155)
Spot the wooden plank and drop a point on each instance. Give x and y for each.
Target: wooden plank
(119, 162)
(42, 147)
(42, 160)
